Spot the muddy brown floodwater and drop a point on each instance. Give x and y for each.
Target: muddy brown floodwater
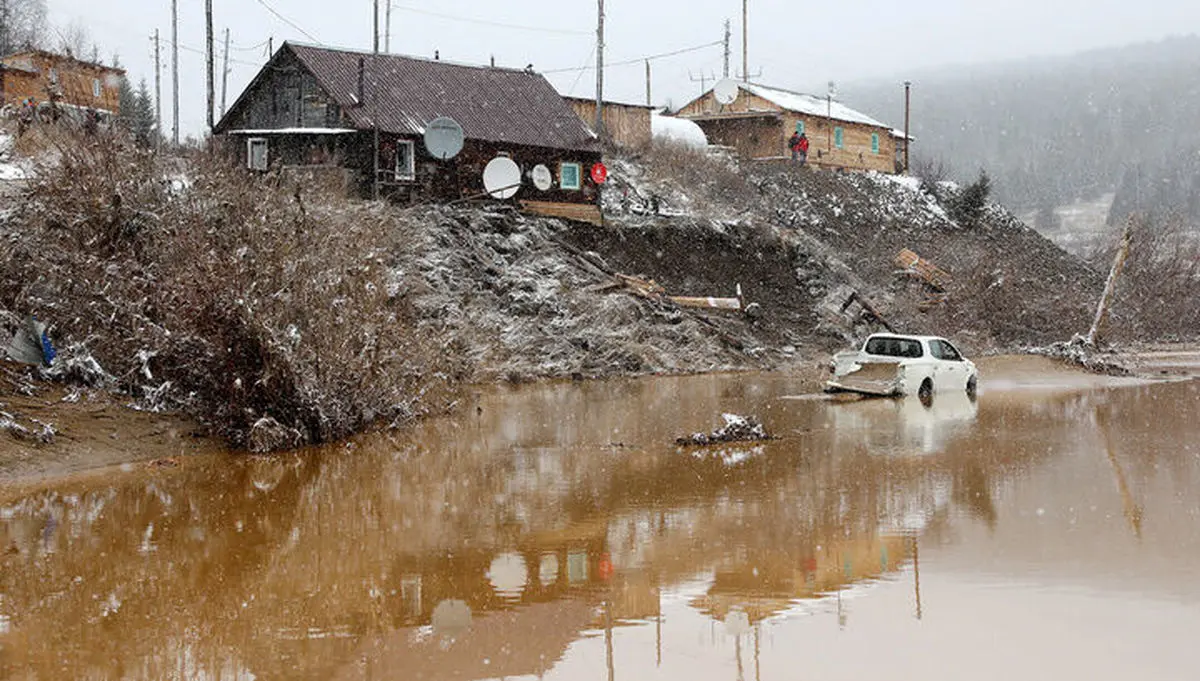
(1050, 530)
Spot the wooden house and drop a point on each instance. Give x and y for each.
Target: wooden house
(759, 122)
(625, 124)
(318, 107)
(59, 82)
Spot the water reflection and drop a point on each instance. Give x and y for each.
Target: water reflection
(557, 528)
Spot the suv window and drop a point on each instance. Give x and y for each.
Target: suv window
(895, 347)
(943, 350)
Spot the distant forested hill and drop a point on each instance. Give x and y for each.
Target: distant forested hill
(1053, 130)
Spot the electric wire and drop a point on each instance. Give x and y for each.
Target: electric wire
(287, 21)
(494, 24)
(640, 60)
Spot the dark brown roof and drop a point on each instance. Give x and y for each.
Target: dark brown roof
(491, 104)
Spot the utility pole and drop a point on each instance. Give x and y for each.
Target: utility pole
(600, 69)
(270, 46)
(175, 72)
(387, 29)
(225, 73)
(374, 108)
(158, 134)
(745, 39)
(648, 83)
(208, 48)
(375, 48)
(907, 112)
(728, 35)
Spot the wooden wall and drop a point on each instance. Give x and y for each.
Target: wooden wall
(756, 139)
(287, 96)
(76, 85)
(625, 124)
(760, 137)
(435, 180)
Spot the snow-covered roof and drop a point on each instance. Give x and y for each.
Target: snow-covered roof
(677, 130)
(811, 105)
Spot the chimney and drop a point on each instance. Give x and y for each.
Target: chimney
(362, 68)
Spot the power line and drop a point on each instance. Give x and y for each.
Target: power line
(287, 21)
(582, 70)
(639, 60)
(250, 48)
(485, 22)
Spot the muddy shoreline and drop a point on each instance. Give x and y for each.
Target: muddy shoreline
(98, 434)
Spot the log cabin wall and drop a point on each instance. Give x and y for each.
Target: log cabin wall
(756, 138)
(626, 124)
(765, 138)
(44, 76)
(857, 151)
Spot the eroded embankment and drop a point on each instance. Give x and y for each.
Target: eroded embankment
(279, 315)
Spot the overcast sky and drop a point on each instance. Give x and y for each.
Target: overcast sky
(793, 45)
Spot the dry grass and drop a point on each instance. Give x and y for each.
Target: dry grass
(277, 317)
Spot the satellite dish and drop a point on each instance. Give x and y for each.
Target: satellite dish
(543, 179)
(832, 90)
(443, 138)
(502, 178)
(726, 91)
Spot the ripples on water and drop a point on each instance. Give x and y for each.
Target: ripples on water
(557, 532)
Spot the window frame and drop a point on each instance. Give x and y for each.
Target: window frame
(410, 174)
(875, 143)
(251, 142)
(562, 180)
(96, 89)
(839, 137)
(800, 127)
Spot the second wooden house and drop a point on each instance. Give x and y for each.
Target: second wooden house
(761, 119)
(318, 107)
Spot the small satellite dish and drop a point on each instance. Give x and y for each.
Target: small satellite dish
(726, 91)
(832, 90)
(543, 179)
(502, 178)
(443, 138)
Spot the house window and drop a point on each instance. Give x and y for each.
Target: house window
(53, 76)
(570, 176)
(874, 143)
(256, 153)
(839, 137)
(96, 88)
(799, 127)
(406, 161)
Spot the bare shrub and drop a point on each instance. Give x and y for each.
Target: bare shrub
(932, 173)
(235, 297)
(713, 179)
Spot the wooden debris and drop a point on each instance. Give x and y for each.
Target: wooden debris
(650, 289)
(924, 270)
(579, 212)
(1110, 286)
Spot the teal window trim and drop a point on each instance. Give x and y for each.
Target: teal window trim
(799, 127)
(570, 176)
(874, 143)
(839, 137)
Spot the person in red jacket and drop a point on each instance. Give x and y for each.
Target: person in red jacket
(803, 146)
(798, 143)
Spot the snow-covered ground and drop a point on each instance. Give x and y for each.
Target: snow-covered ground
(10, 168)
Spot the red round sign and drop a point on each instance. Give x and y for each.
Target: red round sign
(599, 173)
